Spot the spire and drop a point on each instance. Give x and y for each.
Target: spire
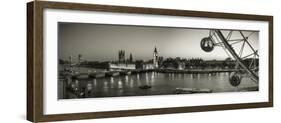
(155, 49)
(131, 58)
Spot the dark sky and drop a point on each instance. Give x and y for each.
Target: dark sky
(101, 42)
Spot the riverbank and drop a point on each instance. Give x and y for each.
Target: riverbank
(130, 72)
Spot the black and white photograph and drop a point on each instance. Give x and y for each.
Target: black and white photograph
(106, 60)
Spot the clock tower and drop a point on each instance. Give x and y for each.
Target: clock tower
(155, 58)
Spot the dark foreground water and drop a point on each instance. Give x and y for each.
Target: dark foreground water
(161, 84)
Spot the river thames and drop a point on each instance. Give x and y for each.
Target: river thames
(161, 84)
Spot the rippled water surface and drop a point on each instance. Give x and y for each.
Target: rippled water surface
(161, 84)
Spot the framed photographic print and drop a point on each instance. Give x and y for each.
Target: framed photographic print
(95, 61)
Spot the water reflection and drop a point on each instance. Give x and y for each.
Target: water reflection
(161, 83)
(95, 82)
(191, 76)
(120, 85)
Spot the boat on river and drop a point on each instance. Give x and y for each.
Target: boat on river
(145, 87)
(125, 72)
(97, 75)
(81, 76)
(112, 74)
(192, 90)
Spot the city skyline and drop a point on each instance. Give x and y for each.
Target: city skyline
(123, 60)
(102, 42)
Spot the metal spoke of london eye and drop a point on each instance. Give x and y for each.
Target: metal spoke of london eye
(217, 38)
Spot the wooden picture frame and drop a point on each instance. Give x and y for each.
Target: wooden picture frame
(35, 60)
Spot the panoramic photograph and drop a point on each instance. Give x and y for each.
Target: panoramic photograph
(103, 60)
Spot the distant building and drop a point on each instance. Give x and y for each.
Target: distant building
(152, 64)
(70, 59)
(121, 56)
(148, 66)
(122, 63)
(181, 66)
(131, 58)
(130, 64)
(123, 66)
(80, 59)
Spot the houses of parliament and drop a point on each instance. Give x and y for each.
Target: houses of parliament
(129, 63)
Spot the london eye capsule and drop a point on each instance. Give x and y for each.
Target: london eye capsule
(235, 79)
(207, 44)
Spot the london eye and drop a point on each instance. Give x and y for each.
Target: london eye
(235, 49)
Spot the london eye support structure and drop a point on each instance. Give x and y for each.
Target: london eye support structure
(217, 38)
(235, 55)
